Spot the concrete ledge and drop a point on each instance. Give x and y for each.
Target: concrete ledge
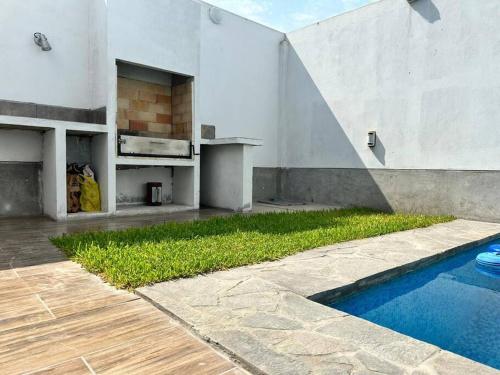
(232, 141)
(50, 112)
(43, 124)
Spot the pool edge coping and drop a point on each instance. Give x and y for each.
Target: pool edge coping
(330, 296)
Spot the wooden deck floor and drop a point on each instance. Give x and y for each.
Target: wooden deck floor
(56, 318)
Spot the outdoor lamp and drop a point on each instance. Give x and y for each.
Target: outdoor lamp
(41, 41)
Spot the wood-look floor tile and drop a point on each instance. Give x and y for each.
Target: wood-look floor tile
(63, 266)
(78, 303)
(172, 352)
(72, 367)
(44, 344)
(54, 315)
(13, 288)
(22, 311)
(7, 274)
(61, 281)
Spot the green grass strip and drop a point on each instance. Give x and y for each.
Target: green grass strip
(140, 256)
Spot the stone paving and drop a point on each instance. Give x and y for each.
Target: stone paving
(263, 314)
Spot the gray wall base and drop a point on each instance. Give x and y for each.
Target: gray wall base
(464, 194)
(266, 183)
(20, 189)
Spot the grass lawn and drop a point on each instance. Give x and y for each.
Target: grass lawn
(136, 257)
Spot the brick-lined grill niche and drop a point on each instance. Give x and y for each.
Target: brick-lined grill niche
(152, 109)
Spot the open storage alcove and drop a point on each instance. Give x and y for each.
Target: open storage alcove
(89, 149)
(131, 188)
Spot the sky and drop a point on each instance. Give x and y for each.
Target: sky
(288, 15)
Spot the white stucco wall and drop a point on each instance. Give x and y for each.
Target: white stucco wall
(98, 49)
(59, 77)
(425, 77)
(163, 34)
(239, 74)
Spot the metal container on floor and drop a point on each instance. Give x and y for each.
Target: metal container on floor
(154, 193)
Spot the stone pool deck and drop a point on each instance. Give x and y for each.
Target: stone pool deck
(263, 315)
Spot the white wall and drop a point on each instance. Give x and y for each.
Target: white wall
(59, 77)
(163, 34)
(98, 48)
(20, 145)
(425, 77)
(239, 74)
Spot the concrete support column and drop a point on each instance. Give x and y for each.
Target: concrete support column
(54, 174)
(105, 171)
(186, 184)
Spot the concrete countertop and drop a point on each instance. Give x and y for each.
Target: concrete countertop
(232, 141)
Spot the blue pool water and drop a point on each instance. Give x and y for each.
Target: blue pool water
(448, 304)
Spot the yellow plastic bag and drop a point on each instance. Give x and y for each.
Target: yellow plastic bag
(90, 199)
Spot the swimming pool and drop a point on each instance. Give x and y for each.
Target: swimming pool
(448, 304)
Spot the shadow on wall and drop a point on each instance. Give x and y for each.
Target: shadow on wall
(427, 9)
(379, 150)
(314, 128)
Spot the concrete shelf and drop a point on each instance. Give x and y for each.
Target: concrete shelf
(232, 141)
(160, 162)
(29, 123)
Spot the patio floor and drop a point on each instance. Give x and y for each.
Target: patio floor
(56, 318)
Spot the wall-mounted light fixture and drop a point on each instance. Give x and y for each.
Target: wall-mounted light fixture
(215, 15)
(372, 138)
(41, 41)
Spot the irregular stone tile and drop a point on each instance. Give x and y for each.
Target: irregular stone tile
(257, 301)
(270, 321)
(258, 354)
(377, 365)
(299, 307)
(306, 343)
(383, 342)
(269, 337)
(446, 363)
(252, 285)
(336, 364)
(203, 300)
(182, 289)
(408, 352)
(296, 282)
(237, 274)
(354, 269)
